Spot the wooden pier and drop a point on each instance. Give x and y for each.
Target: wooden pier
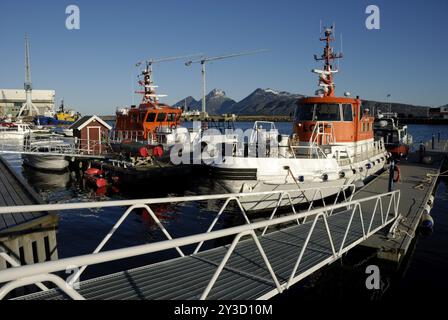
(416, 184)
(26, 237)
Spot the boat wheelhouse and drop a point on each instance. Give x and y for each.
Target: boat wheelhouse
(150, 120)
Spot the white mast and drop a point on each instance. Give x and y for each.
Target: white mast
(28, 105)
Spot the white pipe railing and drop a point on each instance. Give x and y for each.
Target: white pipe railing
(30, 274)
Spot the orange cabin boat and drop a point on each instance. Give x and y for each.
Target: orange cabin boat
(337, 116)
(150, 117)
(147, 119)
(328, 119)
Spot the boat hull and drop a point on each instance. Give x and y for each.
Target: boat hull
(48, 163)
(302, 193)
(241, 177)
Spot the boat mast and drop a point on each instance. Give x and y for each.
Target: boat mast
(149, 94)
(326, 75)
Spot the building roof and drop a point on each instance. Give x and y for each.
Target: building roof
(82, 122)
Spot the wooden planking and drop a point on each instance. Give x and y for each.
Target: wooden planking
(13, 192)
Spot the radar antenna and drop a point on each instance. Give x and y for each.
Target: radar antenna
(328, 56)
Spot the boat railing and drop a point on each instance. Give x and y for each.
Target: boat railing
(383, 207)
(307, 151)
(323, 133)
(66, 147)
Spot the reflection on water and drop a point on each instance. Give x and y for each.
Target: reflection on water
(81, 231)
(46, 181)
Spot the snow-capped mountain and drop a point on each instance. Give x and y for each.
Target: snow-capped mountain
(189, 103)
(266, 102)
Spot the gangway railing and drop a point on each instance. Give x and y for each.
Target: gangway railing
(382, 208)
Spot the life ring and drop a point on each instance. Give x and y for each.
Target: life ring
(397, 170)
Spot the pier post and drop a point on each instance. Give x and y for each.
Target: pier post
(438, 137)
(432, 142)
(391, 175)
(421, 151)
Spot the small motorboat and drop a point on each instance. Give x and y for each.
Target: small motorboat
(15, 131)
(35, 154)
(396, 136)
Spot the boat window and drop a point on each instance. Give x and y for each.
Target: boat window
(171, 117)
(327, 112)
(151, 117)
(161, 117)
(304, 112)
(347, 113)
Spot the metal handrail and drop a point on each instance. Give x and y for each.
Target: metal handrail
(16, 276)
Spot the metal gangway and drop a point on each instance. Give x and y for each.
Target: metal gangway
(55, 145)
(264, 258)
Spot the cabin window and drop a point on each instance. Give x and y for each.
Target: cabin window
(151, 117)
(327, 112)
(171, 117)
(347, 112)
(304, 112)
(161, 117)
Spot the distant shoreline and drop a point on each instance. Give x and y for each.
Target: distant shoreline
(281, 118)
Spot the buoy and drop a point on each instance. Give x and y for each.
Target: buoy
(397, 170)
(96, 181)
(325, 177)
(157, 151)
(427, 221)
(426, 209)
(431, 200)
(93, 172)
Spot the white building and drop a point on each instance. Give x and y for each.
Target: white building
(11, 100)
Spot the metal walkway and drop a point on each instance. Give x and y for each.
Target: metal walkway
(258, 264)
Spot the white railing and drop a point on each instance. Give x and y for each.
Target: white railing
(70, 147)
(367, 209)
(320, 135)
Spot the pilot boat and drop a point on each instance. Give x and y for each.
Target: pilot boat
(152, 122)
(331, 149)
(395, 135)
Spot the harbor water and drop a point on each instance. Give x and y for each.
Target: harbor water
(81, 231)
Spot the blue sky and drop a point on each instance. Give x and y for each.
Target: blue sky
(93, 68)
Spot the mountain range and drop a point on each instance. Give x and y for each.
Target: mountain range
(273, 102)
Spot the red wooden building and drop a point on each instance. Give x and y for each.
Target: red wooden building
(91, 134)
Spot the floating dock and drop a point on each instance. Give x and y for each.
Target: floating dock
(26, 237)
(417, 184)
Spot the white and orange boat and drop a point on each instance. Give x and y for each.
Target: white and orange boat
(332, 147)
(152, 122)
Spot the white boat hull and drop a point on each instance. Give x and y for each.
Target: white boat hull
(12, 136)
(242, 175)
(303, 193)
(50, 163)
